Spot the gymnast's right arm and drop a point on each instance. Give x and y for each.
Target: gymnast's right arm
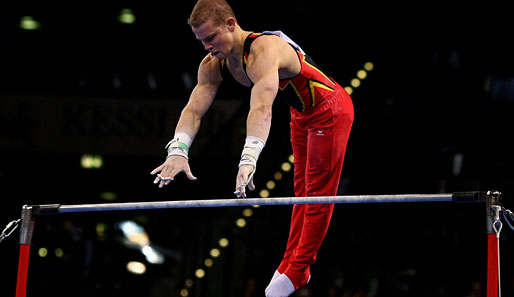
(209, 79)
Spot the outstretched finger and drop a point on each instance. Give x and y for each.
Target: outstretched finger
(251, 185)
(240, 191)
(189, 174)
(162, 180)
(158, 169)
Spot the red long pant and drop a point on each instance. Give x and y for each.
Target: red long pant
(319, 139)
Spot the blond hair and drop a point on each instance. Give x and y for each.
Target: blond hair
(204, 10)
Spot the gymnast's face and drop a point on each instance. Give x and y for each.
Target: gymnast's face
(216, 39)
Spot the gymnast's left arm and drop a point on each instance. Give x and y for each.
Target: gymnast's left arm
(262, 69)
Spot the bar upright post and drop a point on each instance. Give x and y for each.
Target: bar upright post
(26, 231)
(493, 238)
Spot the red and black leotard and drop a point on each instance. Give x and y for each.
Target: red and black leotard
(303, 91)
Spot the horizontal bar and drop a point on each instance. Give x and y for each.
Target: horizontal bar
(56, 208)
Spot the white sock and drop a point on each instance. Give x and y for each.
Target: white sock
(281, 286)
(275, 275)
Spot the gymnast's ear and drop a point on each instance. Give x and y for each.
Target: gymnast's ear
(231, 23)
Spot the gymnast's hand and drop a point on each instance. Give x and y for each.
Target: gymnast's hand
(171, 167)
(244, 178)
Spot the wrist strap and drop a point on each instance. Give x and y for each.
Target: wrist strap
(179, 145)
(251, 151)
